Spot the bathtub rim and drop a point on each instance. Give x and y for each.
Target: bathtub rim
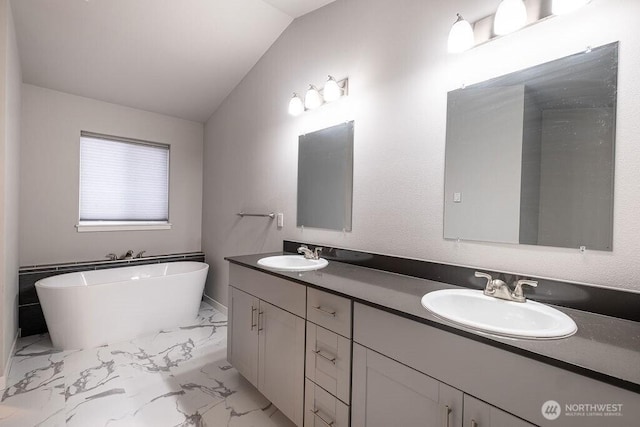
(44, 283)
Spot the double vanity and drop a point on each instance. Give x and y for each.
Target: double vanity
(373, 340)
(344, 345)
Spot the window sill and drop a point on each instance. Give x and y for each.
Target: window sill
(91, 226)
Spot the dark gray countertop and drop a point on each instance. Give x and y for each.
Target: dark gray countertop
(604, 348)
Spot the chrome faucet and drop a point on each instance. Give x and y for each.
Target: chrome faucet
(499, 289)
(308, 253)
(128, 255)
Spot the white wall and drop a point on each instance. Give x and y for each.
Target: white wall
(49, 173)
(10, 88)
(395, 56)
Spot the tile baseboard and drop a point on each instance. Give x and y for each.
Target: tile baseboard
(215, 304)
(7, 366)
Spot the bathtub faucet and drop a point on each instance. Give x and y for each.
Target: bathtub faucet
(128, 255)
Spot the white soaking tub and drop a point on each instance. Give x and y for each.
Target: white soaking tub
(97, 307)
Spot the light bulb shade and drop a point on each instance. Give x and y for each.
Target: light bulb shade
(296, 107)
(331, 90)
(312, 99)
(560, 7)
(461, 36)
(510, 16)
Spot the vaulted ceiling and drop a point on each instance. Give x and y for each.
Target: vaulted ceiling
(175, 57)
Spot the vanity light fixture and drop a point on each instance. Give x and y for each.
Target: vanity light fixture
(312, 98)
(510, 16)
(296, 106)
(333, 90)
(560, 7)
(461, 36)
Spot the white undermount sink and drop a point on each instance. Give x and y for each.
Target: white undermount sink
(292, 263)
(475, 310)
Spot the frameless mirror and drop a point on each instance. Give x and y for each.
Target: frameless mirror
(325, 178)
(530, 155)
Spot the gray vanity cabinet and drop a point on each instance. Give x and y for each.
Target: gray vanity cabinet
(509, 382)
(266, 337)
(388, 393)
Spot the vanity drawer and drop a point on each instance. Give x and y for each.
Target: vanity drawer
(282, 293)
(322, 409)
(329, 311)
(329, 360)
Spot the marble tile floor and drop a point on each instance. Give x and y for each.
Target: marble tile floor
(178, 377)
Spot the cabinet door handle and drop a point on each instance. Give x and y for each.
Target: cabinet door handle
(325, 422)
(474, 423)
(331, 358)
(446, 411)
(260, 321)
(253, 325)
(324, 311)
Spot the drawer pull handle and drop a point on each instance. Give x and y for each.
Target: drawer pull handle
(328, 357)
(253, 325)
(316, 413)
(445, 415)
(260, 321)
(325, 311)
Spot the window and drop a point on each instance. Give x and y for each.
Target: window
(124, 184)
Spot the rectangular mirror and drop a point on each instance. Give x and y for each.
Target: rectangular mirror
(530, 155)
(325, 178)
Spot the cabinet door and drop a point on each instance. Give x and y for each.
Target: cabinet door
(387, 393)
(480, 414)
(281, 363)
(242, 335)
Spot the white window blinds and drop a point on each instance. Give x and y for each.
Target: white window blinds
(123, 180)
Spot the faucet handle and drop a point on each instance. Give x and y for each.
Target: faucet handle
(485, 276)
(305, 251)
(316, 252)
(112, 256)
(518, 294)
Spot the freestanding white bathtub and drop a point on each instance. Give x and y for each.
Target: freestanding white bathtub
(97, 307)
